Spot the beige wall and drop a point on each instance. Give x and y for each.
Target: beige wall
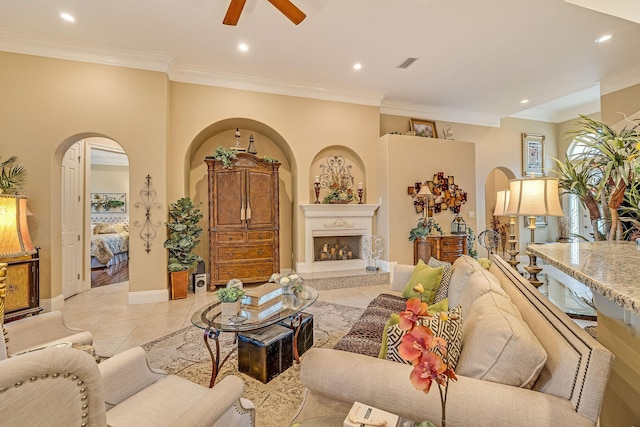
(110, 179)
(49, 104)
(616, 105)
(410, 159)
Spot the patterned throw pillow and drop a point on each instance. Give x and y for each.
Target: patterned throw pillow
(443, 290)
(450, 330)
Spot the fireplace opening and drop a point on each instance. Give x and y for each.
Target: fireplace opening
(336, 248)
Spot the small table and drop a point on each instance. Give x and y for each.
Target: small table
(211, 320)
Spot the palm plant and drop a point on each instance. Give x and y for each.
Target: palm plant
(615, 155)
(12, 176)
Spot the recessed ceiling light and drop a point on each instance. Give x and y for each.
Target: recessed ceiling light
(67, 17)
(604, 38)
(357, 66)
(243, 47)
(524, 101)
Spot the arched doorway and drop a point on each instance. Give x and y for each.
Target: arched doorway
(94, 190)
(497, 179)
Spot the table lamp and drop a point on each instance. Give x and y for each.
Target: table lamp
(15, 240)
(502, 203)
(425, 194)
(534, 197)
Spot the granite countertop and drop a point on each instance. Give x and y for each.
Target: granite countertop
(611, 269)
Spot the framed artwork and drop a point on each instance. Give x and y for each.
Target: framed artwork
(532, 154)
(108, 202)
(541, 221)
(426, 128)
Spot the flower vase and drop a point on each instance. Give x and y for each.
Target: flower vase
(230, 308)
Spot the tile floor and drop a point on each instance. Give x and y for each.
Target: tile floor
(117, 326)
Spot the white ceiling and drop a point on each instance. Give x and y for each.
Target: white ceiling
(477, 59)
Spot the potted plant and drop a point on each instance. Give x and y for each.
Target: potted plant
(422, 249)
(12, 176)
(230, 299)
(183, 238)
(226, 156)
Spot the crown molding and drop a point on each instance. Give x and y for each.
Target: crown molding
(441, 114)
(208, 77)
(52, 48)
(544, 115)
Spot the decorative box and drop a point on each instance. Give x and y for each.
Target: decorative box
(305, 336)
(262, 294)
(265, 353)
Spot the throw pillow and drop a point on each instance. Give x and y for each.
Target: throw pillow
(484, 262)
(498, 344)
(443, 289)
(450, 330)
(401, 275)
(430, 279)
(394, 319)
(106, 229)
(462, 268)
(479, 283)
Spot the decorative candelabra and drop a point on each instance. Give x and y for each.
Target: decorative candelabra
(316, 188)
(360, 193)
(372, 248)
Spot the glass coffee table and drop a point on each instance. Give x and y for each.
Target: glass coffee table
(213, 322)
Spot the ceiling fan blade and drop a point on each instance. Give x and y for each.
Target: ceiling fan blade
(234, 11)
(289, 10)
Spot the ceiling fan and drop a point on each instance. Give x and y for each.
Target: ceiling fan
(287, 8)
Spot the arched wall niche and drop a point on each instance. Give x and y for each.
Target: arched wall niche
(268, 143)
(352, 159)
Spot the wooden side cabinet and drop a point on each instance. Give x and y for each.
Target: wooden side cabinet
(422, 250)
(23, 287)
(244, 220)
(448, 247)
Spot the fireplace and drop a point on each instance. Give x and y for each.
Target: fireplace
(334, 235)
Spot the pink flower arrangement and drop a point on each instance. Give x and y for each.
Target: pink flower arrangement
(421, 348)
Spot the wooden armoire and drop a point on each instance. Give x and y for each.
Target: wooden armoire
(244, 220)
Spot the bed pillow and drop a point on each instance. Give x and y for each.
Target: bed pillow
(498, 344)
(430, 279)
(103, 228)
(443, 289)
(121, 227)
(450, 330)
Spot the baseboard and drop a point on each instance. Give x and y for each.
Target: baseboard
(146, 297)
(52, 304)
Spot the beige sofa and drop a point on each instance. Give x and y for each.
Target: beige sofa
(567, 392)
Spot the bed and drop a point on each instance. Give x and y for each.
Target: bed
(109, 244)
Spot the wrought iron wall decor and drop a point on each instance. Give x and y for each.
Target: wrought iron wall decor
(447, 195)
(148, 231)
(336, 177)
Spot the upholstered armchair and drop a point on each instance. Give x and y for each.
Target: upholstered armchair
(41, 331)
(65, 387)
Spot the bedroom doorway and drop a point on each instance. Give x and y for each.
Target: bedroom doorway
(107, 192)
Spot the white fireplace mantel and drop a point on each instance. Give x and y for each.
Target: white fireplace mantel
(334, 219)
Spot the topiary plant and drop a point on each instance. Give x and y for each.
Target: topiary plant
(183, 234)
(423, 229)
(231, 294)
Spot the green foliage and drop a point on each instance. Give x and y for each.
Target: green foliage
(339, 195)
(231, 294)
(12, 176)
(183, 234)
(270, 159)
(226, 156)
(471, 243)
(423, 229)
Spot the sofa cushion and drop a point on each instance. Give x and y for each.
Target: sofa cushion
(479, 283)
(401, 275)
(462, 268)
(498, 345)
(443, 289)
(450, 330)
(430, 279)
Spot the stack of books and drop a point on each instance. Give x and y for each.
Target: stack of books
(262, 301)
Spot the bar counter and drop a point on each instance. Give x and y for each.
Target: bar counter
(612, 271)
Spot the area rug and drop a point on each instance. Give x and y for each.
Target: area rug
(183, 353)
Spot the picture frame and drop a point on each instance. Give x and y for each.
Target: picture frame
(424, 128)
(532, 154)
(541, 221)
(108, 202)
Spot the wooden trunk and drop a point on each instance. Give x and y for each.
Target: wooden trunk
(244, 224)
(179, 284)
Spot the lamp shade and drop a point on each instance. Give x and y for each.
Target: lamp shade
(502, 202)
(534, 197)
(15, 240)
(424, 191)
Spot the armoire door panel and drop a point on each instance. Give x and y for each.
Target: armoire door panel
(260, 191)
(229, 203)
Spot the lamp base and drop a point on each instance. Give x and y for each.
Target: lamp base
(533, 269)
